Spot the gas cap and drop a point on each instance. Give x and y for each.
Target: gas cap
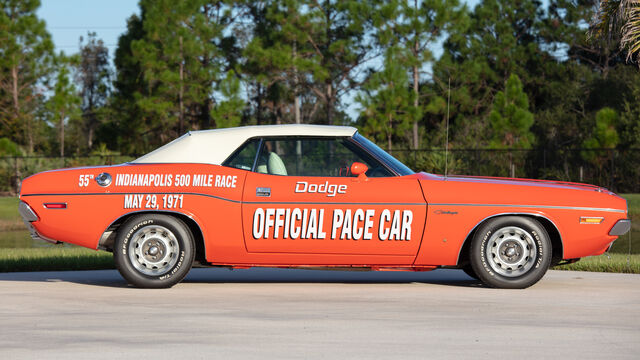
(104, 179)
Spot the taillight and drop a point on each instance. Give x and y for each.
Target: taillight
(55, 205)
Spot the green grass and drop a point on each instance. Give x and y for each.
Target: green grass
(9, 217)
(9, 208)
(617, 263)
(54, 259)
(622, 244)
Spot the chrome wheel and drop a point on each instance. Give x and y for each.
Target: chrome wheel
(511, 251)
(153, 250)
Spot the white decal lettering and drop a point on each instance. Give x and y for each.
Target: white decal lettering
(330, 189)
(312, 228)
(268, 221)
(395, 226)
(258, 223)
(296, 223)
(407, 219)
(338, 218)
(357, 229)
(346, 225)
(287, 219)
(368, 224)
(296, 215)
(321, 233)
(279, 222)
(128, 202)
(383, 231)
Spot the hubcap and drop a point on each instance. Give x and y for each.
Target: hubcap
(153, 250)
(511, 251)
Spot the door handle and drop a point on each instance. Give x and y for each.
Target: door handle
(263, 191)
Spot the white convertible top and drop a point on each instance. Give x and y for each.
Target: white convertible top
(214, 146)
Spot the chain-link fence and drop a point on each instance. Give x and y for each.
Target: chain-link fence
(616, 169)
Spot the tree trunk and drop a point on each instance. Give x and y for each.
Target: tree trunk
(416, 87)
(91, 120)
(29, 136)
(416, 93)
(62, 135)
(181, 92)
(296, 98)
(389, 132)
(14, 91)
(90, 137)
(259, 101)
(329, 95)
(205, 115)
(296, 109)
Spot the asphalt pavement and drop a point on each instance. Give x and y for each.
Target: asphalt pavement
(303, 314)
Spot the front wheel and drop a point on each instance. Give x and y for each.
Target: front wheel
(468, 269)
(154, 251)
(511, 252)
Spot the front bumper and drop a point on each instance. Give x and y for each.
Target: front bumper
(29, 216)
(621, 227)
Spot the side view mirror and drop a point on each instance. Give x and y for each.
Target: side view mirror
(359, 169)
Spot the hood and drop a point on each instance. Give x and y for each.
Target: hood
(521, 182)
(527, 192)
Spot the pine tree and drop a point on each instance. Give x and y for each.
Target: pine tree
(414, 27)
(510, 118)
(387, 102)
(127, 129)
(277, 58)
(182, 59)
(26, 57)
(64, 105)
(94, 77)
(338, 37)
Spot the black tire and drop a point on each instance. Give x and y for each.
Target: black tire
(510, 252)
(154, 250)
(469, 271)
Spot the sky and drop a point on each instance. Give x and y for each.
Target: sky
(67, 20)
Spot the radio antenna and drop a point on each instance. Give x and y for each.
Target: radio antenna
(446, 143)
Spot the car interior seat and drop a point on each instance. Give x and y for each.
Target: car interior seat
(275, 166)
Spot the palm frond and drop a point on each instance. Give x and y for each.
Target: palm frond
(619, 19)
(630, 31)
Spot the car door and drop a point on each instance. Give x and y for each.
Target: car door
(302, 198)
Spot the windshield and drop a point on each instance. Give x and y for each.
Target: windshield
(382, 155)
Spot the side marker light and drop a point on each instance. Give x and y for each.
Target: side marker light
(591, 220)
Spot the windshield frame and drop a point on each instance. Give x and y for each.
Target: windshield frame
(384, 157)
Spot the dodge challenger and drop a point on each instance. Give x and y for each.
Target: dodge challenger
(315, 197)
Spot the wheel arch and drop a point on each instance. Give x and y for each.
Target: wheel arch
(557, 248)
(108, 236)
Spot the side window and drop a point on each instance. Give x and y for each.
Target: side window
(245, 157)
(314, 157)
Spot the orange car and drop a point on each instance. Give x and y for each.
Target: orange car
(309, 196)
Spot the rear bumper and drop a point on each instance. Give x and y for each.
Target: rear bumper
(621, 227)
(29, 216)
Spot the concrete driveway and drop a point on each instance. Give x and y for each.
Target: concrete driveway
(301, 314)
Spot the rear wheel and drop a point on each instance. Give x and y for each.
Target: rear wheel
(154, 251)
(511, 252)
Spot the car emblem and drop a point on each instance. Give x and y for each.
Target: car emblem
(263, 191)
